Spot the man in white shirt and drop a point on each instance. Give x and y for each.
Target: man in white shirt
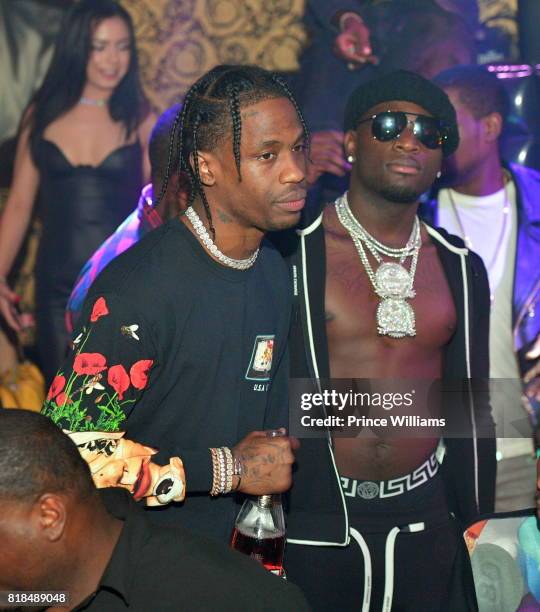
(495, 210)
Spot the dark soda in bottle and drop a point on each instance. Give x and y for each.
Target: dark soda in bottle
(259, 532)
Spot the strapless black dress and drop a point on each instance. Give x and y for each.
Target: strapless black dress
(80, 206)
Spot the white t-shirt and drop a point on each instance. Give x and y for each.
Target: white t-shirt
(492, 234)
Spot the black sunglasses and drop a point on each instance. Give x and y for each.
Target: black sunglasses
(388, 125)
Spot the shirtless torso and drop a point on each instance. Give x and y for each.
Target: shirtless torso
(357, 351)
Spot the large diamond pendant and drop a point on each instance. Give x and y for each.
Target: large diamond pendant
(393, 281)
(395, 318)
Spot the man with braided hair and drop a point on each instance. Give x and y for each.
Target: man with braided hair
(181, 344)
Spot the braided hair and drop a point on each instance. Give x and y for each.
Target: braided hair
(211, 110)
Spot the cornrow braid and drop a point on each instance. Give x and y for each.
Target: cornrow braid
(193, 188)
(198, 184)
(183, 164)
(293, 101)
(170, 155)
(234, 106)
(178, 121)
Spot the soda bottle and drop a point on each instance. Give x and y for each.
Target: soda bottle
(259, 531)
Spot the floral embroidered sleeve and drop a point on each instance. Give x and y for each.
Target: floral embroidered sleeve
(105, 375)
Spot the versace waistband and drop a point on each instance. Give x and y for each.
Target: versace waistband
(380, 489)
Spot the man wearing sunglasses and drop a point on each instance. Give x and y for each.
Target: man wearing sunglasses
(377, 508)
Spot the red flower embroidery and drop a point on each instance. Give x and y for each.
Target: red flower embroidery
(62, 399)
(139, 373)
(100, 310)
(57, 385)
(118, 379)
(89, 363)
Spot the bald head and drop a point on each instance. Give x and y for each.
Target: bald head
(48, 504)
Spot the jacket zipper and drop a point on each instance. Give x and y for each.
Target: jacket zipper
(527, 307)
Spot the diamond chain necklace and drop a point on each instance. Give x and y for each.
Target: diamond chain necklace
(204, 237)
(92, 102)
(391, 282)
(377, 246)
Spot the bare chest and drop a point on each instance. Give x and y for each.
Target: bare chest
(351, 304)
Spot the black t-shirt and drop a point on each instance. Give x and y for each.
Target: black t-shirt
(166, 569)
(183, 354)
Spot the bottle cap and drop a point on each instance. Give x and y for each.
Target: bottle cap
(265, 501)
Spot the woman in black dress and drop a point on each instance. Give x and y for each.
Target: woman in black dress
(82, 151)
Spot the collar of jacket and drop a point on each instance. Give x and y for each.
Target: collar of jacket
(526, 292)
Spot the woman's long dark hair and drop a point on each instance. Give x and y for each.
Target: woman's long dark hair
(66, 76)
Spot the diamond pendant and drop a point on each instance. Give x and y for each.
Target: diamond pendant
(393, 281)
(395, 318)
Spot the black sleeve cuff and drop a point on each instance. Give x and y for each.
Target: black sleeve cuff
(197, 467)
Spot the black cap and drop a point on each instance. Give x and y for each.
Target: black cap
(409, 87)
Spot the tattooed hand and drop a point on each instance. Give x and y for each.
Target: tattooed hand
(266, 463)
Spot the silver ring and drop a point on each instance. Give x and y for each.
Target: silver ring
(274, 433)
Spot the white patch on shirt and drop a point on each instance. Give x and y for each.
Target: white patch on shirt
(260, 363)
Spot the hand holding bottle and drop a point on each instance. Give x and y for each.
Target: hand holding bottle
(266, 462)
(259, 530)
